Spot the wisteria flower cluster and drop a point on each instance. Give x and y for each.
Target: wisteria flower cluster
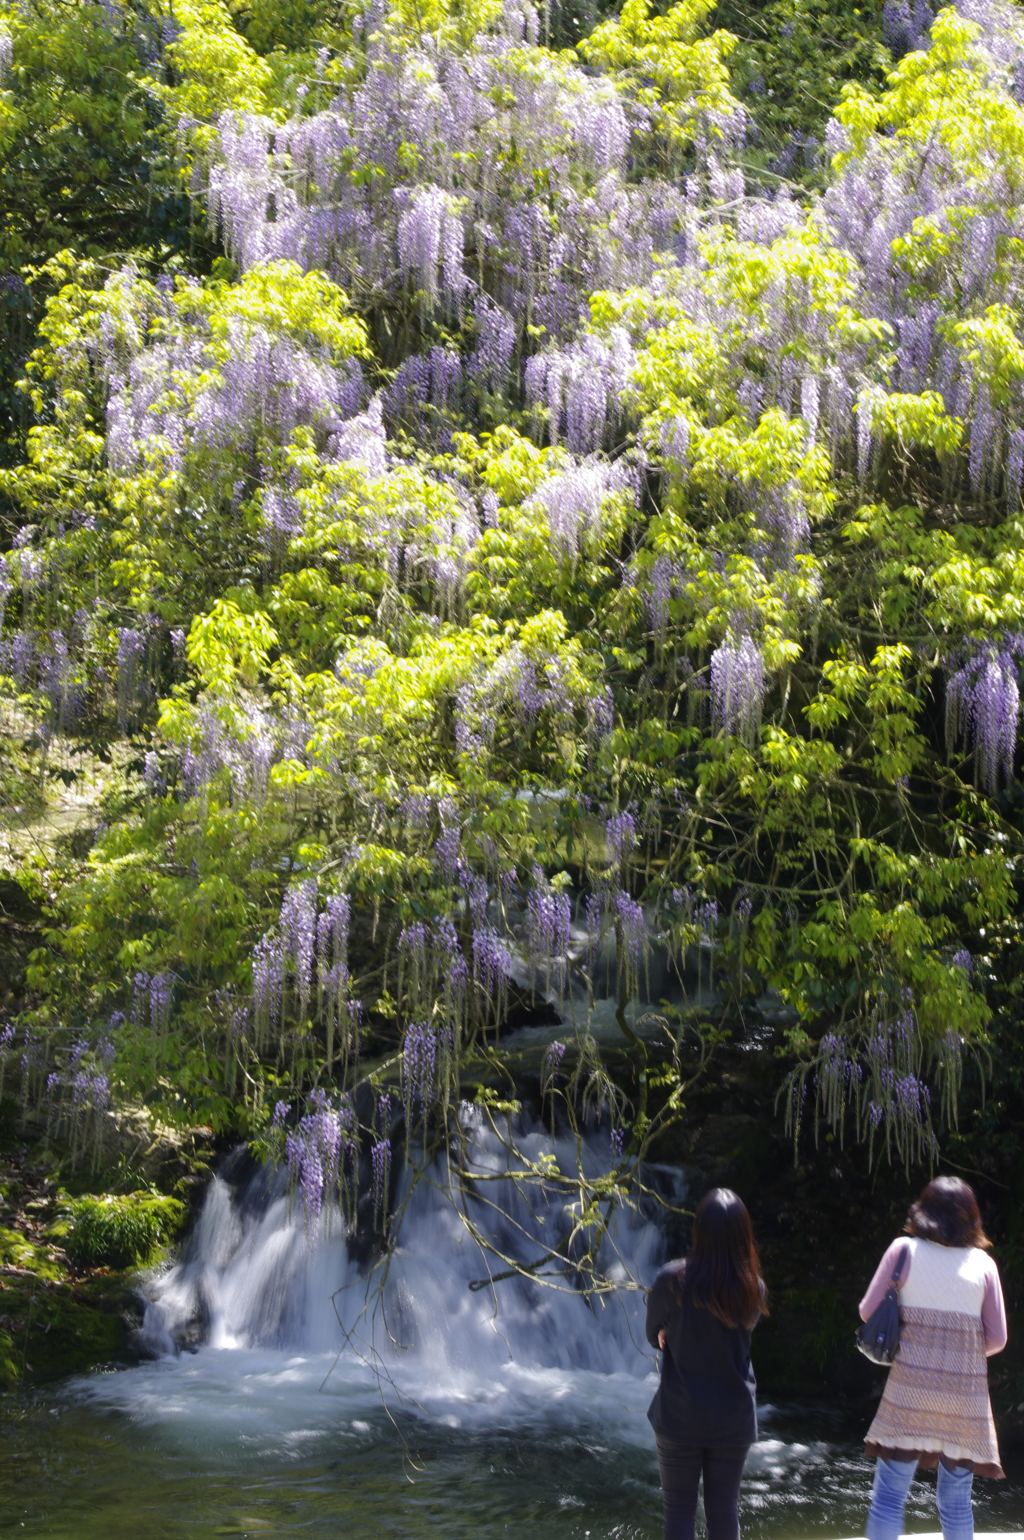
(322, 1153)
(533, 549)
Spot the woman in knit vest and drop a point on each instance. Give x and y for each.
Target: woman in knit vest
(935, 1412)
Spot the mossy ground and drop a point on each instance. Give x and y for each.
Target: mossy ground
(53, 1320)
(59, 1315)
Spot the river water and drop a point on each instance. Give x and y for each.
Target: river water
(235, 1442)
(410, 1404)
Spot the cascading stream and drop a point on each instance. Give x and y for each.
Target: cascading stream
(253, 1277)
(450, 1408)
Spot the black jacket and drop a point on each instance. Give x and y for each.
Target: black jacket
(706, 1396)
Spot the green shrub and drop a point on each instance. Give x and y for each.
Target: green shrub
(121, 1232)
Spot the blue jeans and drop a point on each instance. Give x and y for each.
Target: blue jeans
(889, 1493)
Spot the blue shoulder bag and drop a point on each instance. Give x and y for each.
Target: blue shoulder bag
(879, 1337)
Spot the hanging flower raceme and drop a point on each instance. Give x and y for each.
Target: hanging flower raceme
(897, 1100)
(6, 586)
(575, 502)
(837, 1080)
(738, 687)
(983, 709)
(548, 921)
(552, 1063)
(59, 682)
(161, 1000)
(620, 837)
(495, 344)
(306, 961)
(298, 936)
(492, 966)
(380, 1166)
(448, 845)
(267, 987)
(430, 243)
(333, 974)
(427, 1068)
(632, 938)
(580, 389)
(453, 970)
(432, 968)
(381, 1163)
(131, 646)
(322, 1156)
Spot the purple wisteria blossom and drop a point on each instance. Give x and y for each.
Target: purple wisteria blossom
(153, 775)
(492, 961)
(620, 837)
(380, 1165)
(332, 954)
(738, 687)
(900, 1101)
(6, 587)
(321, 1153)
(600, 714)
(495, 344)
(161, 999)
(574, 501)
(299, 936)
(983, 709)
(448, 845)
(23, 658)
(838, 1078)
(452, 967)
(140, 1000)
(423, 1061)
(810, 404)
(430, 243)
(58, 681)
(551, 1064)
(632, 936)
(131, 646)
(267, 986)
(548, 918)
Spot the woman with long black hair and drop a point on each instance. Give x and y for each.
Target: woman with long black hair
(700, 1313)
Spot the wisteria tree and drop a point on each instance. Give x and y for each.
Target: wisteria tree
(533, 554)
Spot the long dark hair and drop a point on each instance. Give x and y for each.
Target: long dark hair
(947, 1212)
(723, 1272)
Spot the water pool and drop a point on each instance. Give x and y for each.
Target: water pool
(247, 1444)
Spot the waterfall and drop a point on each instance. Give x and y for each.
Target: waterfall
(251, 1277)
(337, 1381)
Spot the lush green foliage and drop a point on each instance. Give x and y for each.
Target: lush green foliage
(120, 1232)
(631, 644)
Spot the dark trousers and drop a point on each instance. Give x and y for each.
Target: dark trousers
(681, 1470)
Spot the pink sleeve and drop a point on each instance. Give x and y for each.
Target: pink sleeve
(880, 1282)
(993, 1312)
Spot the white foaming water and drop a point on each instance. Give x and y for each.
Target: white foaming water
(289, 1332)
